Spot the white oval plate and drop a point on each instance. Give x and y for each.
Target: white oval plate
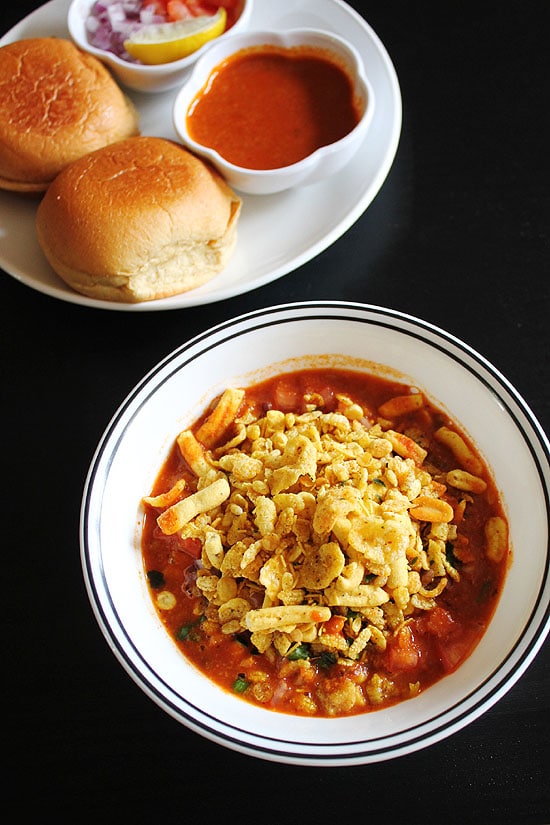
(242, 351)
(277, 233)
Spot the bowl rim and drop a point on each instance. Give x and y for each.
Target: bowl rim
(204, 721)
(238, 42)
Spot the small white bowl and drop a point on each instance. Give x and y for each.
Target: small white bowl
(136, 75)
(326, 160)
(248, 349)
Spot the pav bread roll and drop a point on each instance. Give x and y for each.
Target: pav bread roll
(138, 220)
(56, 104)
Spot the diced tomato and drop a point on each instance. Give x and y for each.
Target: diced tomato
(328, 398)
(193, 547)
(231, 7)
(452, 652)
(403, 652)
(177, 10)
(335, 625)
(173, 10)
(182, 551)
(198, 8)
(463, 551)
(286, 395)
(440, 623)
(448, 640)
(159, 6)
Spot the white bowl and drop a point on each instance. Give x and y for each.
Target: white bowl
(247, 349)
(319, 164)
(136, 75)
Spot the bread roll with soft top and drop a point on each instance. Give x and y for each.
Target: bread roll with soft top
(56, 104)
(138, 220)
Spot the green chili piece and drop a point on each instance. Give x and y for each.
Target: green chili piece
(241, 683)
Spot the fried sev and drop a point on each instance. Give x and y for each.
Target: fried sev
(304, 517)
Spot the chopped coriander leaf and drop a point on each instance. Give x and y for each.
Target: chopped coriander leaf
(326, 659)
(241, 683)
(299, 652)
(186, 631)
(155, 578)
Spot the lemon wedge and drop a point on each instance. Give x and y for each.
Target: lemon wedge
(166, 42)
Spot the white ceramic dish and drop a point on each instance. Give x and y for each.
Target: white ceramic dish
(274, 238)
(255, 346)
(325, 161)
(137, 76)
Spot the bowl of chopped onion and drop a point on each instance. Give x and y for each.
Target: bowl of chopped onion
(151, 45)
(302, 537)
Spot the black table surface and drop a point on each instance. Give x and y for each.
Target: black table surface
(458, 236)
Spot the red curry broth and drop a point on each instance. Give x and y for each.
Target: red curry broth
(268, 107)
(434, 642)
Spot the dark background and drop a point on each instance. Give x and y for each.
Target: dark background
(458, 236)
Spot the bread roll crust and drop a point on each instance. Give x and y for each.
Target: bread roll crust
(57, 103)
(138, 220)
